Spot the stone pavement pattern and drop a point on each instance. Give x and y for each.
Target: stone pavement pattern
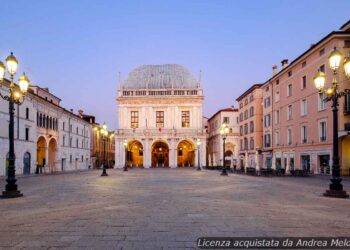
(164, 209)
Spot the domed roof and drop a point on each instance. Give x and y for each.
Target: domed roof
(165, 76)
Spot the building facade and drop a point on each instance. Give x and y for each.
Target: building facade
(160, 118)
(48, 138)
(297, 122)
(230, 117)
(250, 127)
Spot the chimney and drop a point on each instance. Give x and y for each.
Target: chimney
(284, 63)
(71, 110)
(81, 112)
(274, 70)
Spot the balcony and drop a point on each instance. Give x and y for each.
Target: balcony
(304, 141)
(323, 138)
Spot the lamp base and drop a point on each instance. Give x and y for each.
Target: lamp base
(104, 174)
(11, 194)
(125, 169)
(199, 169)
(336, 194)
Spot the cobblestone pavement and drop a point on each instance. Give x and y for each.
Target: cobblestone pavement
(164, 208)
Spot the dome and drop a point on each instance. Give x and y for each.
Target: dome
(165, 76)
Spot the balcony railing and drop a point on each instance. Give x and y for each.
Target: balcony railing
(323, 138)
(304, 141)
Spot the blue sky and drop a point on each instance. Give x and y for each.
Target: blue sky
(76, 48)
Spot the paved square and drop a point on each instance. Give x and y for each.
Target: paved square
(164, 208)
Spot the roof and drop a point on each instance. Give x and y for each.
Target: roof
(223, 110)
(345, 26)
(252, 88)
(165, 76)
(313, 47)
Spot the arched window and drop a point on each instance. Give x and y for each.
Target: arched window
(37, 118)
(251, 143)
(44, 121)
(50, 123)
(47, 122)
(251, 111)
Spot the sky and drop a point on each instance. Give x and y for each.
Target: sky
(76, 48)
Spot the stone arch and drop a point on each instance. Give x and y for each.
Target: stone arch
(134, 153)
(52, 153)
(186, 153)
(160, 154)
(41, 146)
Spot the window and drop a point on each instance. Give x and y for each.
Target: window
(70, 141)
(322, 52)
(251, 143)
(185, 119)
(70, 159)
(241, 144)
(27, 113)
(251, 125)
(241, 105)
(267, 139)
(347, 44)
(77, 130)
(251, 111)
(277, 117)
(347, 104)
(289, 136)
(251, 98)
(27, 134)
(246, 114)
(303, 64)
(267, 121)
(323, 131)
(64, 140)
(303, 134)
(267, 102)
(277, 96)
(245, 143)
(289, 112)
(241, 130)
(277, 138)
(246, 128)
(303, 107)
(290, 73)
(160, 119)
(71, 127)
(289, 90)
(241, 117)
(303, 82)
(322, 68)
(321, 101)
(134, 119)
(226, 120)
(77, 143)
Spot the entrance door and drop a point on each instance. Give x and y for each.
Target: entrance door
(26, 163)
(160, 154)
(324, 164)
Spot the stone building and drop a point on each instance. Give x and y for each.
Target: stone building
(228, 116)
(160, 118)
(48, 138)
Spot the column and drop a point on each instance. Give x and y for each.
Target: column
(172, 154)
(147, 153)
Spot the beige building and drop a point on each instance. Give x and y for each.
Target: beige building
(228, 116)
(250, 127)
(160, 118)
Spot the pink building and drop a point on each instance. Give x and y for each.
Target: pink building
(297, 123)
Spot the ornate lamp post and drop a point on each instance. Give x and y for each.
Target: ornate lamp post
(224, 130)
(333, 94)
(104, 134)
(198, 142)
(126, 154)
(15, 96)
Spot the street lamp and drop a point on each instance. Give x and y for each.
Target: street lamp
(126, 148)
(198, 142)
(15, 96)
(224, 130)
(104, 133)
(333, 94)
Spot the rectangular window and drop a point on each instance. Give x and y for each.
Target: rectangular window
(303, 82)
(303, 134)
(289, 90)
(160, 119)
(289, 136)
(321, 102)
(277, 117)
(134, 119)
(322, 68)
(277, 138)
(27, 134)
(226, 120)
(267, 141)
(323, 131)
(277, 96)
(267, 121)
(347, 104)
(64, 140)
(185, 119)
(27, 113)
(303, 107)
(63, 126)
(289, 112)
